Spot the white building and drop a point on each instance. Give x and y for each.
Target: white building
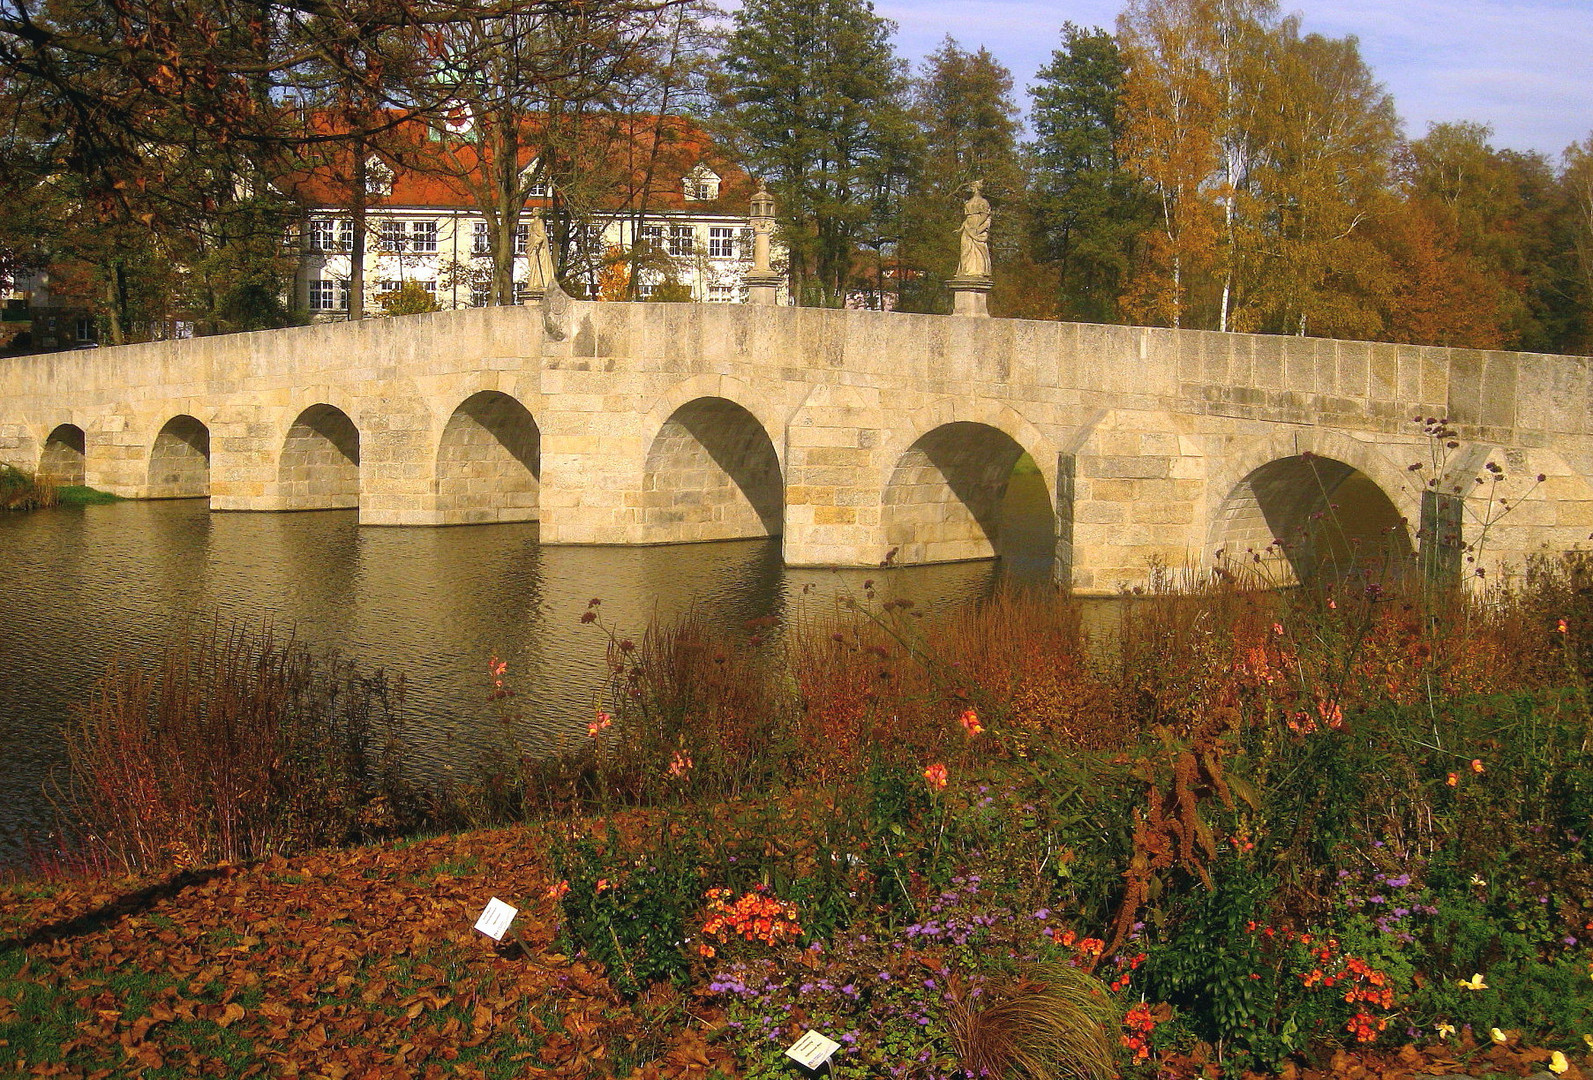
(425, 227)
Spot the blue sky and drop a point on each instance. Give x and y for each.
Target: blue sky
(1524, 67)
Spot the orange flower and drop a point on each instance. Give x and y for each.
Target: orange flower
(603, 721)
(1454, 778)
(679, 765)
(970, 722)
(556, 892)
(1476, 765)
(935, 775)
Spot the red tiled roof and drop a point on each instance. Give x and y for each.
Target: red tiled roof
(428, 168)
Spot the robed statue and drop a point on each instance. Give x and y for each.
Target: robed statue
(539, 257)
(975, 234)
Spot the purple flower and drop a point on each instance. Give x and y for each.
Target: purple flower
(1043, 913)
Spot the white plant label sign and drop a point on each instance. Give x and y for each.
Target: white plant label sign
(812, 1050)
(496, 919)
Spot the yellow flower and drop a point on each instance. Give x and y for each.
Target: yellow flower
(1499, 1037)
(1557, 1063)
(1473, 983)
(1444, 1029)
(1589, 1040)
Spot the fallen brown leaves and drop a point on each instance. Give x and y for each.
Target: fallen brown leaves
(344, 964)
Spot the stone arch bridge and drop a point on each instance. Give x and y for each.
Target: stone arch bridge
(858, 437)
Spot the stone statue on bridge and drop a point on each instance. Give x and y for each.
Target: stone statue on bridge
(539, 259)
(975, 234)
(970, 287)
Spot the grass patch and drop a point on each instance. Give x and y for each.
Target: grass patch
(77, 495)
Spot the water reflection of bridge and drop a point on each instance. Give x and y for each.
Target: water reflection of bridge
(858, 437)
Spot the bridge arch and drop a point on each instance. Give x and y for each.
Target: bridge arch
(489, 462)
(711, 471)
(1336, 504)
(63, 458)
(320, 464)
(179, 460)
(942, 499)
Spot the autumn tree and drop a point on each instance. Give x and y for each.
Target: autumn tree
(813, 93)
(1578, 188)
(1170, 112)
(1087, 210)
(1319, 174)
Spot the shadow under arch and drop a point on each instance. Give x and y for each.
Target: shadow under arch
(63, 459)
(489, 462)
(711, 473)
(320, 464)
(1306, 518)
(946, 498)
(179, 460)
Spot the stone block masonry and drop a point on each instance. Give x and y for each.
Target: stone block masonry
(857, 437)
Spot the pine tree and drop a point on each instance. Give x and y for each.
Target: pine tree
(814, 92)
(1088, 210)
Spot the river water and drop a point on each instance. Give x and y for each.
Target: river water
(80, 586)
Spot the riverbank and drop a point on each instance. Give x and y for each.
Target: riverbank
(24, 491)
(1298, 833)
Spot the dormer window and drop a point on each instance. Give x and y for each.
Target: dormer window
(378, 176)
(700, 185)
(536, 184)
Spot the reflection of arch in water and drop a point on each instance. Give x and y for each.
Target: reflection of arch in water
(711, 474)
(62, 460)
(179, 462)
(320, 466)
(489, 462)
(1331, 519)
(943, 501)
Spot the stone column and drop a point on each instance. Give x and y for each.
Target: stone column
(762, 281)
(970, 295)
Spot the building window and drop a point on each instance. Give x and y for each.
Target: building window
(682, 240)
(480, 239)
(653, 236)
(645, 290)
(329, 235)
(395, 237)
(423, 236)
(322, 236)
(480, 293)
(85, 328)
(522, 237)
(722, 294)
(328, 294)
(721, 243)
(589, 238)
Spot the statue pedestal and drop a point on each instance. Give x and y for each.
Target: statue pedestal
(534, 294)
(763, 285)
(970, 295)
